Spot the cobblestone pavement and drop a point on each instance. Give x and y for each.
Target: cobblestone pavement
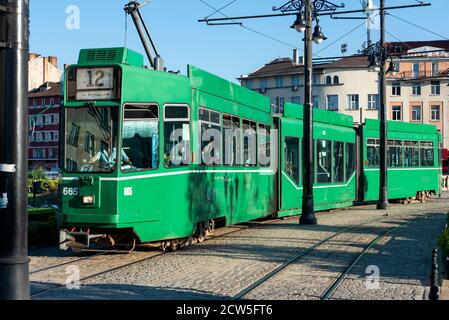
(223, 266)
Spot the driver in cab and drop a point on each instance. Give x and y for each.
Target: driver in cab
(107, 157)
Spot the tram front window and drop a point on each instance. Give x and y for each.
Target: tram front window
(91, 139)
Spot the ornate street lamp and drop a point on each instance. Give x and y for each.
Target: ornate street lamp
(307, 10)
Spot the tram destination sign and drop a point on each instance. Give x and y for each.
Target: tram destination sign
(93, 83)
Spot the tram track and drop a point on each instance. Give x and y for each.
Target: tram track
(46, 276)
(332, 287)
(57, 273)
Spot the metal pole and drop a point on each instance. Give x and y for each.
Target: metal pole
(308, 214)
(383, 192)
(131, 9)
(14, 34)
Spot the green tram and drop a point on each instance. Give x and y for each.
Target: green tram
(142, 163)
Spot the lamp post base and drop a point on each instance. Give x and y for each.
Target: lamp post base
(308, 213)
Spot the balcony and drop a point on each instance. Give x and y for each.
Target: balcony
(421, 75)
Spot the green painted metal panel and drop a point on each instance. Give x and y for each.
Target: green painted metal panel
(207, 82)
(295, 111)
(398, 179)
(123, 56)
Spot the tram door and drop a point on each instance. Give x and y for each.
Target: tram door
(291, 188)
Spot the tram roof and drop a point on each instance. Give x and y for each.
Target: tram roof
(212, 84)
(399, 126)
(295, 111)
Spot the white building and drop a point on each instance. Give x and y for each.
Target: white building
(417, 93)
(42, 70)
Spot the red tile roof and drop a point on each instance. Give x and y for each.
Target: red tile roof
(286, 65)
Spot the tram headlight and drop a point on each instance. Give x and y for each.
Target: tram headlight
(88, 199)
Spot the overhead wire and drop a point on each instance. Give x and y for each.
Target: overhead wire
(419, 27)
(248, 28)
(343, 36)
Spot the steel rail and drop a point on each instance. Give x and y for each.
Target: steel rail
(58, 286)
(284, 265)
(334, 286)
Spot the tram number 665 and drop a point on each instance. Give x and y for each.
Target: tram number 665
(70, 191)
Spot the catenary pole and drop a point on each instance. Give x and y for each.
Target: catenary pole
(383, 192)
(308, 214)
(14, 41)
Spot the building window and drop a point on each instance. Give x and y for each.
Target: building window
(316, 101)
(249, 84)
(74, 135)
(315, 79)
(397, 66)
(263, 83)
(353, 101)
(416, 113)
(38, 153)
(279, 82)
(89, 143)
(336, 80)
(295, 81)
(52, 101)
(416, 88)
(435, 87)
(34, 102)
(328, 80)
(435, 113)
(373, 101)
(415, 68)
(332, 102)
(396, 89)
(397, 113)
(296, 100)
(435, 71)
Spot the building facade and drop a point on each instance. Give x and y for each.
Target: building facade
(417, 93)
(44, 110)
(42, 70)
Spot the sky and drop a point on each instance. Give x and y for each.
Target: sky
(227, 51)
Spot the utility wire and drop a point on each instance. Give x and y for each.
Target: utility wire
(219, 10)
(250, 29)
(343, 36)
(419, 27)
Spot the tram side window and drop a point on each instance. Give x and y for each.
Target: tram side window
(394, 153)
(411, 150)
(140, 145)
(324, 161)
(264, 145)
(176, 136)
(350, 160)
(249, 143)
(292, 158)
(232, 139)
(372, 152)
(339, 168)
(210, 136)
(427, 154)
